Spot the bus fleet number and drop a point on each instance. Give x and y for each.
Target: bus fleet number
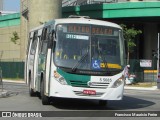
(105, 80)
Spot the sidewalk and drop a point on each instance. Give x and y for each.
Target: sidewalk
(4, 93)
(140, 88)
(14, 81)
(125, 87)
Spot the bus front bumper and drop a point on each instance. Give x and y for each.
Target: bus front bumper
(67, 91)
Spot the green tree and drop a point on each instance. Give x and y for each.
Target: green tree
(129, 36)
(15, 37)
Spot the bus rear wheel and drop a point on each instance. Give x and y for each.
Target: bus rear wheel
(45, 99)
(103, 102)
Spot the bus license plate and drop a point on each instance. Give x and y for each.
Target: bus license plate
(89, 92)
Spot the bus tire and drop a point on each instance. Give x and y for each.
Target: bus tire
(103, 102)
(39, 95)
(31, 92)
(45, 99)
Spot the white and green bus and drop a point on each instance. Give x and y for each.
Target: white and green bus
(77, 58)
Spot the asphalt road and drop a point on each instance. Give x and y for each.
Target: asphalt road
(134, 100)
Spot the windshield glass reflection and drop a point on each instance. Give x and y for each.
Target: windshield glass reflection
(89, 47)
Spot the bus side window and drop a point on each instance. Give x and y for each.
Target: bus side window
(40, 44)
(44, 47)
(34, 43)
(45, 35)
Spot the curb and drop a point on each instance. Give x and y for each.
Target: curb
(14, 81)
(125, 87)
(141, 88)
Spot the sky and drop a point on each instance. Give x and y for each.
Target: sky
(11, 5)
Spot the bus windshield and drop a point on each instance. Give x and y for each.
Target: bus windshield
(89, 47)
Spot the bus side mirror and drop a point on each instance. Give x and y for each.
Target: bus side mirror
(54, 46)
(51, 39)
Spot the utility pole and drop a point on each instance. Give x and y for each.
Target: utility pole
(158, 69)
(1, 5)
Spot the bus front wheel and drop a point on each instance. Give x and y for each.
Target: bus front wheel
(45, 99)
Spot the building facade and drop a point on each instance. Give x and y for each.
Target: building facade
(8, 25)
(32, 14)
(140, 14)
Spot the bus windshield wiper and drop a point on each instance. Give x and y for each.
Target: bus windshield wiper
(79, 62)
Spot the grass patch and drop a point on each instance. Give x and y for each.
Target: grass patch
(143, 84)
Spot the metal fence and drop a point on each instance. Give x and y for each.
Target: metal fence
(15, 69)
(1, 82)
(12, 69)
(143, 74)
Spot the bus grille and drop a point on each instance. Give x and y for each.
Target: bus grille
(80, 93)
(76, 83)
(99, 85)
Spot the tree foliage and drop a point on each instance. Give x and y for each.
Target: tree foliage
(130, 35)
(15, 37)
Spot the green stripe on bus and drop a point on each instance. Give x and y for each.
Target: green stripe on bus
(74, 79)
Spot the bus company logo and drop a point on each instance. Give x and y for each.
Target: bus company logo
(6, 114)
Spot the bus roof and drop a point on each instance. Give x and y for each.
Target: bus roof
(86, 21)
(78, 21)
(37, 28)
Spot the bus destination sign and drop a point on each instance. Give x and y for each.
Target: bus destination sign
(98, 30)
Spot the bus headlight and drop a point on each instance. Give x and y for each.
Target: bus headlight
(59, 78)
(118, 82)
